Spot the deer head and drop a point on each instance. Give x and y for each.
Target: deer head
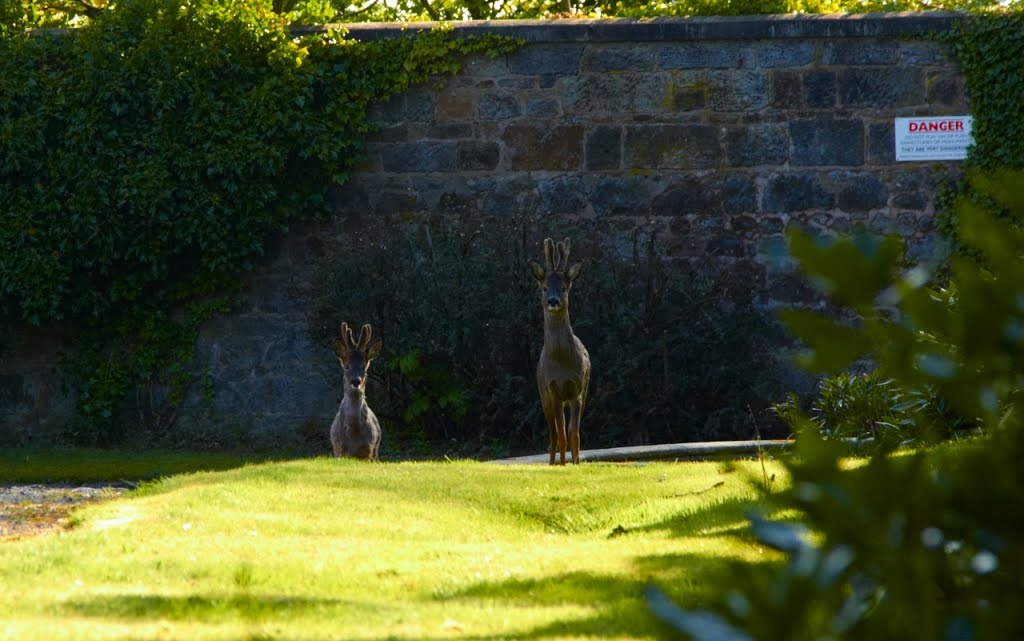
(556, 276)
(355, 356)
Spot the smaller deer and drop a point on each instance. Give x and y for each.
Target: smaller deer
(355, 431)
(563, 372)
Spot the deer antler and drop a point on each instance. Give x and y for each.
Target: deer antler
(549, 250)
(364, 337)
(346, 337)
(562, 262)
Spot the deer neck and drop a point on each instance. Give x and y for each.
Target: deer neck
(354, 396)
(558, 330)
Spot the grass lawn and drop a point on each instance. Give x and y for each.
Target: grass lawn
(324, 549)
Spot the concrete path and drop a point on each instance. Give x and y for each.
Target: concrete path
(668, 452)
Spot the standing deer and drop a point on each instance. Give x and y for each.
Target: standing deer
(563, 371)
(355, 431)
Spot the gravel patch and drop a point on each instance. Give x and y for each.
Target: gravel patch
(38, 508)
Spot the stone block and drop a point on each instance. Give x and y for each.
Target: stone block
(506, 197)
(881, 87)
(516, 83)
(860, 192)
(396, 202)
(738, 194)
(542, 107)
(744, 224)
(860, 52)
(786, 53)
(700, 56)
(391, 110)
(419, 105)
(450, 130)
(791, 192)
(819, 89)
(725, 245)
(771, 224)
(391, 133)
(612, 58)
(758, 144)
(919, 52)
(603, 148)
(740, 90)
(419, 156)
(622, 196)
(881, 143)
(477, 155)
(945, 88)
(671, 146)
(562, 195)
(619, 94)
(537, 146)
(686, 196)
(498, 106)
(785, 89)
(910, 200)
(479, 65)
(826, 141)
(788, 287)
(546, 60)
(454, 105)
(689, 91)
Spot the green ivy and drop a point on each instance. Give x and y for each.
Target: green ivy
(988, 47)
(146, 157)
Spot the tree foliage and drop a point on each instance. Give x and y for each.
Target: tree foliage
(61, 13)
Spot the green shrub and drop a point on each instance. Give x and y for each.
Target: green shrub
(868, 406)
(927, 545)
(461, 319)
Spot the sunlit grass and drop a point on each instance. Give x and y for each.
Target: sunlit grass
(329, 549)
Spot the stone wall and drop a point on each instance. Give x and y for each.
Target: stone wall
(714, 134)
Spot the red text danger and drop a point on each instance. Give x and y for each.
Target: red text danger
(941, 125)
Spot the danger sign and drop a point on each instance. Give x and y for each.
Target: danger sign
(933, 138)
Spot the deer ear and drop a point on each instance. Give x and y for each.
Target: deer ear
(373, 350)
(574, 271)
(538, 271)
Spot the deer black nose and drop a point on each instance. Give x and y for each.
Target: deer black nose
(553, 301)
(356, 381)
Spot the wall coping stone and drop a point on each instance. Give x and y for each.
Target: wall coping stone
(786, 26)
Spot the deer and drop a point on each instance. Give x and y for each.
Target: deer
(563, 371)
(355, 431)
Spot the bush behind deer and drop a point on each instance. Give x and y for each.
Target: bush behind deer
(680, 352)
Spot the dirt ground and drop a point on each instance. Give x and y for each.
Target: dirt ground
(31, 510)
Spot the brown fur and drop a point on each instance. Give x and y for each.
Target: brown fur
(355, 431)
(563, 371)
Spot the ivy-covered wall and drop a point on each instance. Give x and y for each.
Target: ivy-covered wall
(711, 136)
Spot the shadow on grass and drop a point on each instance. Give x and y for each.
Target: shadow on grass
(617, 607)
(205, 607)
(725, 518)
(88, 465)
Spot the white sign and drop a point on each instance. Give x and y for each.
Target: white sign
(933, 138)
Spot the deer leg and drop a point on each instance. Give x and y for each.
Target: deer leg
(575, 414)
(549, 418)
(560, 431)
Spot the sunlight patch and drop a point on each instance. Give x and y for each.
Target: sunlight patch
(127, 514)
